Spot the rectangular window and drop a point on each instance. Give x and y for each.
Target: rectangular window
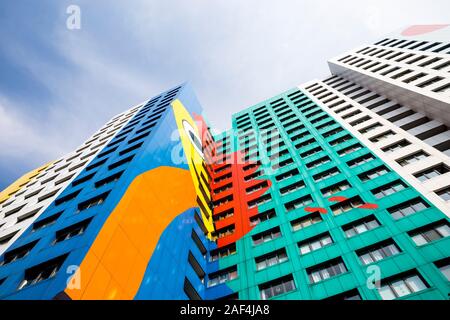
(41, 272)
(219, 216)
(430, 82)
(370, 128)
(259, 201)
(346, 205)
(130, 149)
(374, 173)
(196, 267)
(261, 217)
(413, 158)
(226, 231)
(315, 243)
(430, 233)
(67, 198)
(292, 188)
(377, 252)
(271, 259)
(326, 270)
(333, 132)
(318, 163)
(336, 188)
(111, 179)
(305, 143)
(72, 231)
(341, 140)
(287, 175)
(396, 146)
(408, 208)
(389, 189)
(432, 172)
(360, 120)
(298, 203)
(18, 253)
(402, 285)
(40, 224)
(306, 221)
(277, 287)
(326, 174)
(350, 149)
(361, 226)
(198, 243)
(120, 162)
(444, 267)
(382, 136)
(95, 165)
(105, 153)
(310, 152)
(98, 200)
(360, 160)
(222, 252)
(266, 236)
(222, 276)
(444, 194)
(222, 201)
(190, 291)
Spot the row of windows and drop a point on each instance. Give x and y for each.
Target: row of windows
(436, 47)
(423, 175)
(393, 287)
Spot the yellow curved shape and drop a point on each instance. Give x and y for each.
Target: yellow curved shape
(20, 183)
(196, 164)
(116, 263)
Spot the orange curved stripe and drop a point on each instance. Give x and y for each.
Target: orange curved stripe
(115, 264)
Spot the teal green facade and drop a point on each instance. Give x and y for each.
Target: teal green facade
(293, 109)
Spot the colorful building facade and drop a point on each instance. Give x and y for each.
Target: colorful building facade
(317, 193)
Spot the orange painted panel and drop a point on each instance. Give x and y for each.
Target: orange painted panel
(126, 242)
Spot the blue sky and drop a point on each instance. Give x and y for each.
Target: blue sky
(58, 86)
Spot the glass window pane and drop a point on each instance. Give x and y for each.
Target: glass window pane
(305, 249)
(366, 259)
(400, 288)
(361, 228)
(350, 233)
(444, 230)
(315, 276)
(289, 286)
(372, 224)
(432, 235)
(419, 240)
(315, 245)
(325, 274)
(326, 241)
(416, 284)
(377, 255)
(386, 293)
(446, 271)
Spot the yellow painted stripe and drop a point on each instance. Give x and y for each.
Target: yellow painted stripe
(21, 182)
